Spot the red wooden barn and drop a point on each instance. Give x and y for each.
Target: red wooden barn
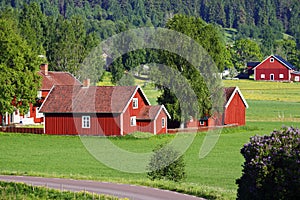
(101, 110)
(234, 111)
(274, 68)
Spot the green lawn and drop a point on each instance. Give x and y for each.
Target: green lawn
(212, 177)
(270, 91)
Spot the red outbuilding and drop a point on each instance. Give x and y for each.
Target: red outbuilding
(234, 111)
(274, 68)
(101, 110)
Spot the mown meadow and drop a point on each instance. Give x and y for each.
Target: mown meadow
(212, 177)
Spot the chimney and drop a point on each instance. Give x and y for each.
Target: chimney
(44, 69)
(86, 82)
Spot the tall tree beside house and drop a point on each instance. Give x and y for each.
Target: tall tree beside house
(245, 50)
(19, 81)
(209, 37)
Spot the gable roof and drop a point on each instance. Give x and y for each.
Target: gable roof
(252, 64)
(151, 112)
(280, 59)
(93, 99)
(57, 78)
(229, 94)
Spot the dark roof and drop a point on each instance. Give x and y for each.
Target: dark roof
(296, 72)
(148, 112)
(252, 64)
(93, 99)
(228, 93)
(286, 63)
(57, 78)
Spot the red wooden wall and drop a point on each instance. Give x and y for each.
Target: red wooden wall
(130, 111)
(268, 68)
(69, 124)
(159, 128)
(293, 76)
(235, 112)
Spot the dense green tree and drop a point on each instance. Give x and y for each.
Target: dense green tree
(166, 164)
(245, 50)
(19, 81)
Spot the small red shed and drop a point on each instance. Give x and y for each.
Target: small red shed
(234, 111)
(101, 110)
(235, 107)
(295, 76)
(273, 68)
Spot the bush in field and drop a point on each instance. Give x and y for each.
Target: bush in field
(272, 166)
(166, 164)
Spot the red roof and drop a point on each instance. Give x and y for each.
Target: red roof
(93, 99)
(57, 78)
(149, 112)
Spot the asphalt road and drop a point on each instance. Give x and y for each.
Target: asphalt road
(119, 190)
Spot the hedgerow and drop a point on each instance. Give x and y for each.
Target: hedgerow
(272, 166)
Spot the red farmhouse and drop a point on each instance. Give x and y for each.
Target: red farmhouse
(234, 111)
(49, 79)
(274, 68)
(105, 110)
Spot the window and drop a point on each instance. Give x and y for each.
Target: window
(163, 122)
(201, 122)
(135, 103)
(296, 78)
(38, 114)
(262, 76)
(133, 121)
(281, 75)
(86, 121)
(271, 60)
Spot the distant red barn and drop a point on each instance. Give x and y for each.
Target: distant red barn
(105, 110)
(274, 68)
(234, 111)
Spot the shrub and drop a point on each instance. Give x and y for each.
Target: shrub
(166, 164)
(272, 166)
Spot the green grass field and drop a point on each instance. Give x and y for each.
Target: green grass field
(212, 177)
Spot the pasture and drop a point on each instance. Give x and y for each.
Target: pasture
(212, 177)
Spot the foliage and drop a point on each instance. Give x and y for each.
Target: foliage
(271, 167)
(166, 164)
(22, 191)
(19, 81)
(245, 50)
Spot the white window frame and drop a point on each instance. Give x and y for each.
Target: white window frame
(135, 103)
(86, 121)
(38, 114)
(271, 60)
(202, 122)
(133, 121)
(163, 122)
(281, 75)
(262, 76)
(297, 78)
